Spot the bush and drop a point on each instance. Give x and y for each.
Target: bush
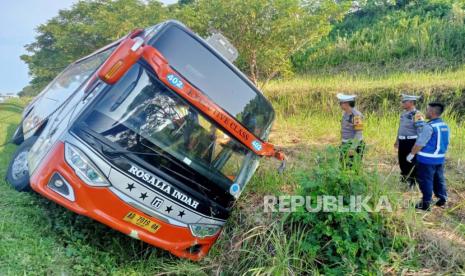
(341, 242)
(419, 35)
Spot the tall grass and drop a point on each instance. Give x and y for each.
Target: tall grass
(308, 119)
(409, 35)
(254, 242)
(308, 111)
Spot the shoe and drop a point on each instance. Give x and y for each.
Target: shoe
(441, 203)
(411, 184)
(424, 206)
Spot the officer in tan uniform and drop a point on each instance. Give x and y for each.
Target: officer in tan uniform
(352, 144)
(411, 123)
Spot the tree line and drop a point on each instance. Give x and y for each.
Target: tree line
(266, 32)
(275, 38)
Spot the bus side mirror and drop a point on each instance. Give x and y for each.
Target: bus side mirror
(123, 57)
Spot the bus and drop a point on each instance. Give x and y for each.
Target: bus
(155, 135)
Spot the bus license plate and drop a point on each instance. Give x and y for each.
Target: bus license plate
(142, 222)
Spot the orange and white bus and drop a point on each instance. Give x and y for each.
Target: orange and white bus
(155, 135)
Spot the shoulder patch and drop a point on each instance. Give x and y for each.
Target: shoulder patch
(419, 117)
(358, 122)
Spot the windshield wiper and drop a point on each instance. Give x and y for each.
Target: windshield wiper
(111, 152)
(116, 152)
(160, 153)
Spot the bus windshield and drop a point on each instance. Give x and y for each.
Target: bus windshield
(141, 114)
(211, 75)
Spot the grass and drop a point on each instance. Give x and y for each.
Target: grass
(40, 237)
(308, 119)
(401, 81)
(387, 37)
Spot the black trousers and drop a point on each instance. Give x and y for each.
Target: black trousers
(407, 170)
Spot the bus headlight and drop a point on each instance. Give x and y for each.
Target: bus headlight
(204, 230)
(84, 167)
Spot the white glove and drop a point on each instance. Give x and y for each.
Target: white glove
(410, 157)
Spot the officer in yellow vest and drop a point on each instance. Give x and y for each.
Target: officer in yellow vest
(352, 144)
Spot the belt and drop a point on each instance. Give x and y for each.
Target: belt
(345, 141)
(407, 137)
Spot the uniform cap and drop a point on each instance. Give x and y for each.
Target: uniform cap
(345, 98)
(406, 97)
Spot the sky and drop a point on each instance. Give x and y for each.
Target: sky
(18, 20)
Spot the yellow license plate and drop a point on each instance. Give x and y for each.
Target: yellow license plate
(142, 222)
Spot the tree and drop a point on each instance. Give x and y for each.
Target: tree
(185, 2)
(79, 31)
(266, 32)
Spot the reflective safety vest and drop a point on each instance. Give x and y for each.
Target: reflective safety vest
(434, 152)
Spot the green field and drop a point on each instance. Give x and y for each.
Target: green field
(379, 51)
(40, 237)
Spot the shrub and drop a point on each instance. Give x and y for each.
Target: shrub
(422, 35)
(341, 242)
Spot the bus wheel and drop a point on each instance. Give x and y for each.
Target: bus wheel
(18, 171)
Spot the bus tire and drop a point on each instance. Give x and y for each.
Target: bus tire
(18, 173)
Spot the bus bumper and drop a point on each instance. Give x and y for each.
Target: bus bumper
(101, 204)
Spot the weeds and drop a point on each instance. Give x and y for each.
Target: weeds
(342, 242)
(40, 237)
(380, 38)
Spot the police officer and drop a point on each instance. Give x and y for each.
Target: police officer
(411, 122)
(430, 149)
(351, 129)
